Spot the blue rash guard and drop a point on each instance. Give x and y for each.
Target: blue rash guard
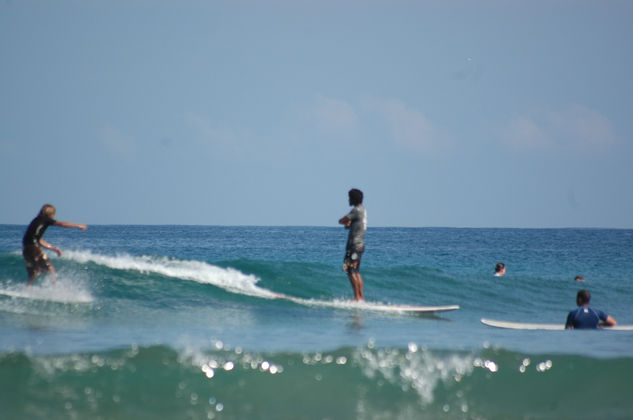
(585, 317)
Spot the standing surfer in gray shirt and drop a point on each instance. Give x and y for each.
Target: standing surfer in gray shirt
(356, 222)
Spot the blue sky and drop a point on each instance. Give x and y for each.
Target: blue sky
(445, 113)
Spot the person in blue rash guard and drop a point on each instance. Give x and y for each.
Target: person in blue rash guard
(36, 260)
(585, 317)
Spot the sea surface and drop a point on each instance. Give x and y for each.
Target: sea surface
(182, 322)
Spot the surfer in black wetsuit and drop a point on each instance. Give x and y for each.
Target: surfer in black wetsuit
(36, 260)
(356, 222)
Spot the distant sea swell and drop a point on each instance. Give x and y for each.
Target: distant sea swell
(361, 383)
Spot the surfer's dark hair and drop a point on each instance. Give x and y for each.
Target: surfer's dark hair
(500, 266)
(583, 297)
(355, 196)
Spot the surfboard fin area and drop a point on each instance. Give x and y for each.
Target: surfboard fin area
(531, 326)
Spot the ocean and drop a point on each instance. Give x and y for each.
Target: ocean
(181, 322)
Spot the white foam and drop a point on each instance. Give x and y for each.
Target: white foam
(229, 279)
(417, 369)
(53, 292)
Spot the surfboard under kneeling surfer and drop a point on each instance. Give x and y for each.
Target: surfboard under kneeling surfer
(37, 262)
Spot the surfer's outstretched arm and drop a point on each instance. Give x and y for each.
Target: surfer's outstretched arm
(71, 225)
(62, 224)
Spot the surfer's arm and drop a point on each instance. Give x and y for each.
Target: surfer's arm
(345, 220)
(71, 225)
(610, 322)
(51, 247)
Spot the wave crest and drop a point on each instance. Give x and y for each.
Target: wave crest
(229, 279)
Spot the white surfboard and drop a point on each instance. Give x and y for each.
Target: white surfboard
(530, 326)
(369, 306)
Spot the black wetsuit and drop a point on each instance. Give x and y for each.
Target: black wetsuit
(35, 259)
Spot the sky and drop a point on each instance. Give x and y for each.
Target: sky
(449, 113)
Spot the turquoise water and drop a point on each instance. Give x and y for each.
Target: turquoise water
(180, 322)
